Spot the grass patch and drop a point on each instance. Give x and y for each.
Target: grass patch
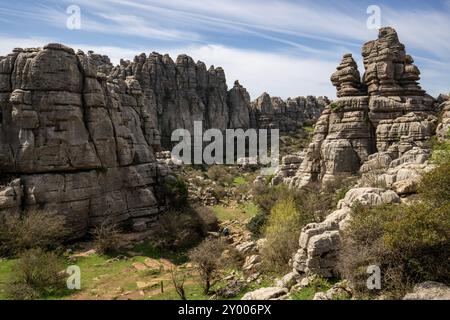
(240, 213)
(304, 294)
(147, 250)
(6, 266)
(239, 181)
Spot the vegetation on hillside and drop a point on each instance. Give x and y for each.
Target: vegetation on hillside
(410, 242)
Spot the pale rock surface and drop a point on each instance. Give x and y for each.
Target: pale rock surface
(274, 113)
(429, 291)
(76, 143)
(265, 293)
(320, 242)
(370, 116)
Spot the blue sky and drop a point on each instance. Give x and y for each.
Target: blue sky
(286, 48)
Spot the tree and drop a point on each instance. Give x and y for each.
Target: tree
(207, 256)
(178, 280)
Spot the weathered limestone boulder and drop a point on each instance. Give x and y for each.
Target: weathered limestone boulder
(289, 280)
(443, 129)
(429, 291)
(11, 195)
(247, 247)
(76, 143)
(399, 168)
(269, 293)
(288, 168)
(347, 79)
(251, 264)
(339, 291)
(320, 242)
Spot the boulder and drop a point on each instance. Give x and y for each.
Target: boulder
(429, 291)
(269, 293)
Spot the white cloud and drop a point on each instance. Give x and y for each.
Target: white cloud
(276, 73)
(279, 74)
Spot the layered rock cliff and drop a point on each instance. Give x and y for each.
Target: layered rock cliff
(178, 93)
(379, 126)
(372, 113)
(287, 115)
(75, 143)
(78, 136)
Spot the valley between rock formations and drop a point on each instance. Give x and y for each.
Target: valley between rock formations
(89, 142)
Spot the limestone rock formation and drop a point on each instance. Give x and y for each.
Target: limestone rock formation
(347, 79)
(320, 242)
(75, 143)
(274, 113)
(389, 70)
(443, 129)
(269, 293)
(288, 168)
(178, 93)
(378, 127)
(239, 103)
(371, 116)
(429, 290)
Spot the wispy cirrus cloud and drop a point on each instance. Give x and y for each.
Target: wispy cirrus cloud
(284, 47)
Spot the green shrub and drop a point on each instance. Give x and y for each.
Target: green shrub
(36, 274)
(184, 228)
(441, 150)
(435, 185)
(334, 107)
(409, 242)
(176, 191)
(281, 231)
(106, 238)
(256, 223)
(206, 218)
(313, 203)
(31, 229)
(320, 284)
(221, 174)
(207, 257)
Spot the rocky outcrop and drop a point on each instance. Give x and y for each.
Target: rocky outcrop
(443, 129)
(274, 113)
(288, 168)
(239, 102)
(370, 116)
(76, 143)
(429, 291)
(178, 93)
(378, 127)
(320, 242)
(347, 79)
(270, 293)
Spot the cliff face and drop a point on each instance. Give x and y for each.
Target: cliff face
(378, 126)
(74, 143)
(274, 113)
(78, 135)
(371, 115)
(178, 93)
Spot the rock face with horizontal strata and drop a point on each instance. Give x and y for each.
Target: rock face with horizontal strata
(178, 93)
(371, 116)
(74, 142)
(287, 115)
(381, 133)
